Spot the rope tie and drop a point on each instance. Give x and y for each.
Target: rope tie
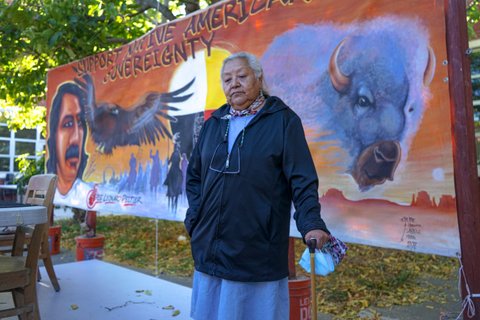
(467, 302)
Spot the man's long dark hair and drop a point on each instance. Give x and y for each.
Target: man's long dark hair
(73, 89)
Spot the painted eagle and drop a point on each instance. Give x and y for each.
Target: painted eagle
(112, 126)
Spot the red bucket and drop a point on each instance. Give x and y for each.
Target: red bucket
(54, 234)
(300, 306)
(90, 248)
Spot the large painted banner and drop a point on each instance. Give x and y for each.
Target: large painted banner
(369, 80)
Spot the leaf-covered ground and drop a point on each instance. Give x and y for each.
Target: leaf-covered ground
(368, 277)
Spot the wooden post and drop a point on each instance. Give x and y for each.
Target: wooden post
(91, 222)
(467, 188)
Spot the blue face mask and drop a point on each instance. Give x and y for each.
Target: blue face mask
(326, 259)
(323, 262)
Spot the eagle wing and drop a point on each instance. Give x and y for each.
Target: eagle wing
(142, 123)
(90, 104)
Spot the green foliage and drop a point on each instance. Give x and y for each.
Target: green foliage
(473, 17)
(23, 118)
(36, 36)
(28, 168)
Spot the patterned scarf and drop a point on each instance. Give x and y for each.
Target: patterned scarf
(251, 110)
(336, 248)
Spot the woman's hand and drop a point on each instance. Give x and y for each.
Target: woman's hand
(320, 235)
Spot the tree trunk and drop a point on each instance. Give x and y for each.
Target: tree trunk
(192, 6)
(154, 4)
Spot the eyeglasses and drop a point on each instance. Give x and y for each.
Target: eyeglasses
(224, 162)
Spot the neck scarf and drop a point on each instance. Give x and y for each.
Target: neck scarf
(251, 110)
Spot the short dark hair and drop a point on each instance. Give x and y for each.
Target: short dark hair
(77, 91)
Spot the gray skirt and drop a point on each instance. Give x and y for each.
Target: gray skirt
(218, 299)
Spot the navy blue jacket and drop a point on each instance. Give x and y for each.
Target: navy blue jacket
(239, 223)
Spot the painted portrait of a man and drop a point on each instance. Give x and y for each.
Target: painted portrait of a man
(66, 141)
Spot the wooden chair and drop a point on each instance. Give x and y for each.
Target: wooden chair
(18, 273)
(40, 191)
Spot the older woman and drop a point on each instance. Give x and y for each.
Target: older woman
(250, 163)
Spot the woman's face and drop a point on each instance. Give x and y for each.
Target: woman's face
(240, 85)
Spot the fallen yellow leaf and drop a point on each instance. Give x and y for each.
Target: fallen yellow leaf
(169, 307)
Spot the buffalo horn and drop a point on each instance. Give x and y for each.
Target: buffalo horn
(339, 81)
(430, 68)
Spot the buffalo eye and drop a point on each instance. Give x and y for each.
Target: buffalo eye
(365, 98)
(363, 102)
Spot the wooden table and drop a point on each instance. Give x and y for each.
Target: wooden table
(12, 215)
